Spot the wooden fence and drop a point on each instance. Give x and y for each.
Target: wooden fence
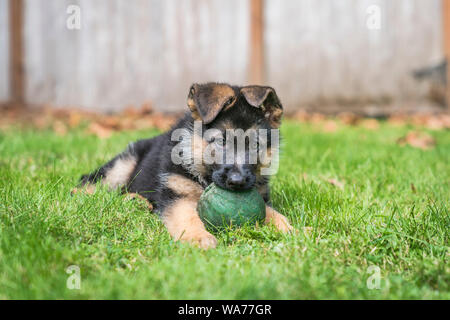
(130, 52)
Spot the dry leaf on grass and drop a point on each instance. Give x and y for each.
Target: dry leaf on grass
(417, 139)
(59, 128)
(435, 123)
(336, 183)
(371, 124)
(330, 126)
(99, 130)
(430, 121)
(301, 116)
(308, 231)
(348, 118)
(74, 119)
(61, 120)
(317, 118)
(398, 120)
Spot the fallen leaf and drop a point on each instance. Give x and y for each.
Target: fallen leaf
(301, 116)
(417, 139)
(371, 124)
(317, 118)
(336, 183)
(435, 123)
(74, 119)
(59, 128)
(111, 122)
(330, 126)
(446, 120)
(348, 118)
(398, 120)
(99, 130)
(146, 108)
(130, 111)
(307, 231)
(438, 122)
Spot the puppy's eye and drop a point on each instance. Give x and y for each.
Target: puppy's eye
(219, 142)
(229, 102)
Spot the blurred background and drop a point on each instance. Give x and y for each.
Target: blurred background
(372, 57)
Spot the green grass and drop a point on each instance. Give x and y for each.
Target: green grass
(124, 252)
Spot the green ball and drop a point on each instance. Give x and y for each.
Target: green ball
(220, 208)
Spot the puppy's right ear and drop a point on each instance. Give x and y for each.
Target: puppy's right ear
(207, 100)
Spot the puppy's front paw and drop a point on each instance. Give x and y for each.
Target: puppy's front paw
(184, 224)
(204, 240)
(279, 221)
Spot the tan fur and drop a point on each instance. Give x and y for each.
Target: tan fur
(184, 186)
(275, 118)
(198, 146)
(131, 196)
(193, 148)
(191, 105)
(184, 224)
(230, 105)
(223, 94)
(119, 174)
(228, 125)
(276, 219)
(223, 91)
(266, 157)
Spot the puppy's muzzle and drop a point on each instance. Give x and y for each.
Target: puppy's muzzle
(234, 177)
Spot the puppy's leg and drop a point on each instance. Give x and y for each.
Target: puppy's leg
(184, 224)
(276, 219)
(115, 173)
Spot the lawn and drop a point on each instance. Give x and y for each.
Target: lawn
(366, 209)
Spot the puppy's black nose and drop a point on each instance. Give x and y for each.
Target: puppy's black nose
(236, 180)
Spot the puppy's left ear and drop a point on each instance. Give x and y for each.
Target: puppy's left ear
(267, 100)
(206, 101)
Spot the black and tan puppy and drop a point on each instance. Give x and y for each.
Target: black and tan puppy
(170, 170)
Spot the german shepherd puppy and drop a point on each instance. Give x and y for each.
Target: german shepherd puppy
(147, 167)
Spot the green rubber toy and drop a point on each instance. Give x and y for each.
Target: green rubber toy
(219, 208)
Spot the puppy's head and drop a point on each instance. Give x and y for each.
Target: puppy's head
(233, 122)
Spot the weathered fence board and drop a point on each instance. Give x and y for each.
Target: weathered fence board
(322, 50)
(4, 54)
